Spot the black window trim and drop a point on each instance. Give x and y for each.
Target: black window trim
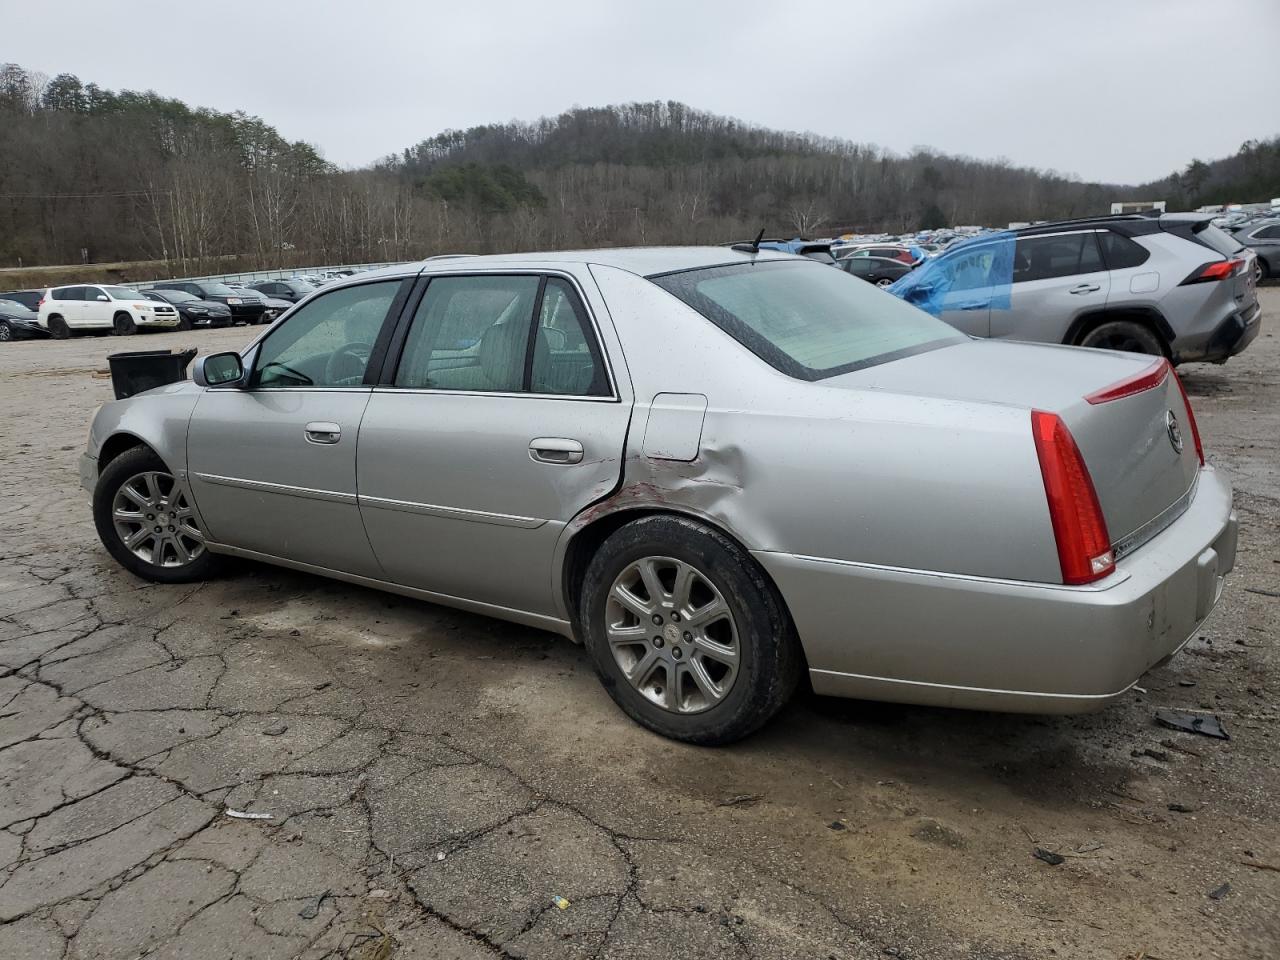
(595, 344)
(1102, 249)
(1097, 247)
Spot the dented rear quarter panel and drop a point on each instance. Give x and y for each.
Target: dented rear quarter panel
(825, 471)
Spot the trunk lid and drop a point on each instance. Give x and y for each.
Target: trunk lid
(1142, 479)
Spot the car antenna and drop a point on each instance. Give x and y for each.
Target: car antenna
(753, 246)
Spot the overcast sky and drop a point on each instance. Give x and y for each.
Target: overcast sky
(1114, 90)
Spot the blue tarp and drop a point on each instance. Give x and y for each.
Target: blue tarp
(971, 270)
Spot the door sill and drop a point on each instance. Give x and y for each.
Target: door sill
(542, 622)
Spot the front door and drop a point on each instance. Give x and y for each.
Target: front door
(272, 466)
(501, 423)
(972, 280)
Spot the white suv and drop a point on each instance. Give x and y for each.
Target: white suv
(121, 310)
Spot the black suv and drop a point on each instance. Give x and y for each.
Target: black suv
(242, 310)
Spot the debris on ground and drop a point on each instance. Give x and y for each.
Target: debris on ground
(1153, 754)
(1259, 865)
(1262, 593)
(1174, 745)
(1182, 807)
(741, 800)
(1089, 847)
(836, 825)
(275, 730)
(1219, 892)
(312, 909)
(242, 815)
(1049, 857)
(1191, 723)
(560, 902)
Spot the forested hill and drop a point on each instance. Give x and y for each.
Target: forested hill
(120, 175)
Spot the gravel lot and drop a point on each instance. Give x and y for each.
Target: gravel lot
(434, 779)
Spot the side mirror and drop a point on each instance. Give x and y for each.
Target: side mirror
(102, 298)
(218, 370)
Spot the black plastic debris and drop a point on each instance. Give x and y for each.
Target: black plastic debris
(1049, 857)
(132, 373)
(1191, 723)
(836, 825)
(1220, 892)
(1176, 807)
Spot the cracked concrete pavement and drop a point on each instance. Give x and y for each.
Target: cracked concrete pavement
(434, 779)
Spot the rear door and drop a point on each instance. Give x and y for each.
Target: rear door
(273, 466)
(68, 303)
(1056, 278)
(499, 418)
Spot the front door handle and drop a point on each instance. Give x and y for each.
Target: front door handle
(1085, 288)
(975, 305)
(320, 431)
(555, 450)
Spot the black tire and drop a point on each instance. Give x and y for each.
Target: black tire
(1261, 271)
(122, 325)
(6, 334)
(770, 659)
(58, 328)
(124, 468)
(1124, 335)
(184, 323)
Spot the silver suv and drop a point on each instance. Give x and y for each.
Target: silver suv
(1173, 286)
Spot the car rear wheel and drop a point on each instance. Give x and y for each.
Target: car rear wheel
(122, 325)
(5, 333)
(685, 632)
(884, 282)
(1123, 335)
(1260, 270)
(58, 328)
(145, 520)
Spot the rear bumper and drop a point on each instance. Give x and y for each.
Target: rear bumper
(1230, 337)
(913, 636)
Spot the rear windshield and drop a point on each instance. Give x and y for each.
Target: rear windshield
(806, 319)
(1219, 240)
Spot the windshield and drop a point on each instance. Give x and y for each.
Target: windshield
(122, 293)
(805, 319)
(175, 296)
(217, 290)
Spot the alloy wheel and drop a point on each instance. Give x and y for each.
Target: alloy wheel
(672, 634)
(5, 332)
(154, 520)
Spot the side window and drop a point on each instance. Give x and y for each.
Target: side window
(1063, 255)
(470, 333)
(1268, 233)
(1121, 252)
(566, 357)
(327, 343)
(971, 269)
(66, 293)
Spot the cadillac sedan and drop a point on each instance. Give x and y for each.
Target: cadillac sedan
(719, 469)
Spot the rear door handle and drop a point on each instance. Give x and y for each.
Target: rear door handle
(1085, 288)
(975, 305)
(320, 431)
(555, 450)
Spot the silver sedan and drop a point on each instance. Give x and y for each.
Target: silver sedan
(718, 469)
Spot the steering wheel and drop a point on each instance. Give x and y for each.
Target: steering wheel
(347, 363)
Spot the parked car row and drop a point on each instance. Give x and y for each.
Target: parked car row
(72, 309)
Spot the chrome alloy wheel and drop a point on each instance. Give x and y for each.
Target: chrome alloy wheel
(154, 520)
(672, 634)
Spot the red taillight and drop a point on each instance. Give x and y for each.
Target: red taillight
(1218, 270)
(1151, 377)
(1084, 546)
(1191, 418)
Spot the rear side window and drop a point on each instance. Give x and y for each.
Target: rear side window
(67, 293)
(805, 319)
(1268, 233)
(1121, 252)
(470, 334)
(566, 358)
(1061, 255)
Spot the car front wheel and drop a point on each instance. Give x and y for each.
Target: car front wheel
(685, 632)
(145, 520)
(5, 333)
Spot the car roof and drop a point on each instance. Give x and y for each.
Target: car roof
(643, 261)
